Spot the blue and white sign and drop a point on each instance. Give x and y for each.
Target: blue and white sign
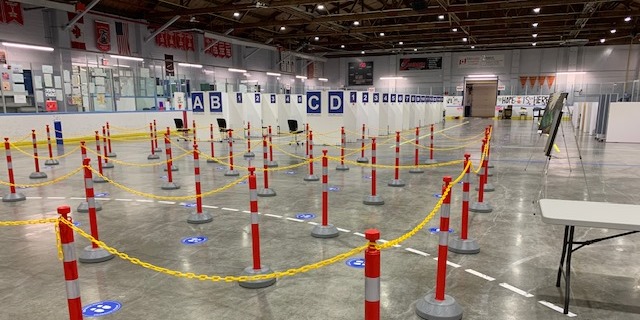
(305, 216)
(376, 97)
(101, 194)
(299, 98)
(406, 98)
(188, 204)
(273, 98)
(393, 98)
(102, 308)
(77, 223)
(385, 97)
(437, 195)
(367, 177)
(357, 263)
(256, 97)
(334, 189)
(314, 99)
(238, 97)
(221, 168)
(215, 101)
(436, 230)
(400, 98)
(353, 97)
(197, 101)
(189, 241)
(365, 97)
(287, 98)
(242, 182)
(291, 172)
(413, 98)
(336, 102)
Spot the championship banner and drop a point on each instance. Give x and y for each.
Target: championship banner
(168, 65)
(103, 36)
(11, 12)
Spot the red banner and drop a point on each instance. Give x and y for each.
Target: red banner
(532, 81)
(550, 81)
(523, 81)
(103, 36)
(171, 40)
(11, 12)
(227, 50)
(77, 33)
(189, 42)
(541, 80)
(180, 44)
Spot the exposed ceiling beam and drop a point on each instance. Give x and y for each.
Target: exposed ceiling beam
(162, 28)
(79, 15)
(243, 6)
(49, 4)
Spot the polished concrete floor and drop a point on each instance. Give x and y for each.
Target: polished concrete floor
(518, 250)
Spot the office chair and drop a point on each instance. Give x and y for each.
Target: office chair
(181, 129)
(222, 127)
(293, 129)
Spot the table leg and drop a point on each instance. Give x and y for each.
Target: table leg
(567, 294)
(564, 252)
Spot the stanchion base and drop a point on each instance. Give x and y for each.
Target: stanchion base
(112, 155)
(488, 187)
(153, 157)
(490, 166)
(94, 255)
(311, 177)
(84, 207)
(173, 168)
(480, 207)
(249, 155)
(99, 179)
(396, 183)
(107, 165)
(432, 309)
(169, 186)
(257, 284)
(373, 200)
(272, 164)
(342, 167)
(232, 173)
(210, 161)
(430, 161)
(266, 192)
(416, 170)
(328, 231)
(468, 246)
(480, 173)
(199, 218)
(13, 197)
(362, 160)
(156, 150)
(38, 175)
(51, 162)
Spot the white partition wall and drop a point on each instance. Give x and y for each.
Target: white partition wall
(270, 114)
(284, 106)
(298, 109)
(200, 107)
(233, 110)
(252, 109)
(349, 120)
(327, 111)
(409, 114)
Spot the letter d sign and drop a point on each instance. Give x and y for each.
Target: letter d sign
(336, 102)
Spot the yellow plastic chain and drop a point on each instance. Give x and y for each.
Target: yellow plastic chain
(133, 164)
(413, 142)
(460, 139)
(72, 151)
(42, 184)
(27, 222)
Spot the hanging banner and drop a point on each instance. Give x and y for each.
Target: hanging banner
(168, 65)
(523, 81)
(77, 31)
(11, 12)
(487, 60)
(532, 81)
(190, 42)
(429, 63)
(550, 81)
(541, 80)
(103, 36)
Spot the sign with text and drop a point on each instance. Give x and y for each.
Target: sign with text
(314, 99)
(486, 60)
(197, 101)
(215, 101)
(336, 102)
(238, 97)
(427, 63)
(361, 73)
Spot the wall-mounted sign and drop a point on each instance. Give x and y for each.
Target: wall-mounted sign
(487, 60)
(428, 63)
(361, 73)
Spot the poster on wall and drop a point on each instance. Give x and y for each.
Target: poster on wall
(361, 73)
(168, 65)
(428, 63)
(486, 60)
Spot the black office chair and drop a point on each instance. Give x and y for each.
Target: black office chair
(293, 129)
(222, 127)
(181, 129)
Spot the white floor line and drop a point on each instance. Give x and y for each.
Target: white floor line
(230, 209)
(56, 198)
(313, 223)
(37, 198)
(76, 198)
(125, 200)
(294, 219)
(424, 254)
(144, 200)
(343, 230)
(481, 275)
(359, 234)
(556, 308)
(516, 290)
(455, 265)
(210, 207)
(245, 211)
(167, 202)
(272, 215)
(103, 199)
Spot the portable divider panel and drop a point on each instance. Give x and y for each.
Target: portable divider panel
(269, 114)
(252, 103)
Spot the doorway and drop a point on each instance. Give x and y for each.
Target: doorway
(480, 97)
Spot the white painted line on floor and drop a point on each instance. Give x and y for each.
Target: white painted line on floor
(294, 219)
(230, 209)
(424, 254)
(210, 207)
(76, 198)
(455, 265)
(556, 308)
(516, 290)
(125, 200)
(312, 223)
(102, 199)
(144, 200)
(272, 215)
(385, 241)
(343, 230)
(247, 211)
(34, 197)
(359, 234)
(167, 202)
(481, 275)
(56, 198)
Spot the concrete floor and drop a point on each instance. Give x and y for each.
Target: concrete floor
(517, 248)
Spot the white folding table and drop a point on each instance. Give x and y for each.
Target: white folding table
(590, 214)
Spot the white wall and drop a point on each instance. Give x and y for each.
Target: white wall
(623, 122)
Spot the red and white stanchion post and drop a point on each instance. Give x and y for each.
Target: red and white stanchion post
(70, 265)
(106, 164)
(99, 179)
(416, 155)
(488, 187)
(306, 134)
(169, 184)
(37, 174)
(199, 216)
(231, 172)
(311, 176)
(12, 196)
(461, 243)
(92, 253)
(153, 155)
(437, 304)
(362, 158)
(487, 134)
(195, 134)
(431, 160)
(110, 152)
(396, 182)
(481, 206)
(372, 276)
(257, 267)
(169, 152)
(51, 161)
(343, 144)
(249, 154)
(265, 191)
(373, 198)
(325, 230)
(212, 147)
(155, 137)
(84, 205)
(272, 164)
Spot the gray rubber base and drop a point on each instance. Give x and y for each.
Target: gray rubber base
(430, 161)
(84, 207)
(396, 183)
(268, 192)
(468, 246)
(173, 168)
(94, 255)
(328, 231)
(153, 157)
(257, 284)
(272, 164)
(169, 186)
(416, 170)
(491, 166)
(210, 161)
(108, 165)
(157, 150)
(373, 200)
(362, 160)
(311, 177)
(489, 175)
(51, 162)
(98, 179)
(488, 187)
(342, 167)
(199, 218)
(38, 175)
(478, 207)
(13, 197)
(432, 309)
(112, 155)
(249, 155)
(232, 173)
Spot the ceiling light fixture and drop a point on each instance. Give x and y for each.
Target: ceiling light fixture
(316, 38)
(627, 19)
(283, 28)
(571, 72)
(237, 70)
(602, 40)
(362, 52)
(342, 46)
(613, 31)
(275, 74)
(535, 35)
(534, 44)
(236, 14)
(415, 49)
(473, 47)
(391, 78)
(536, 10)
(481, 76)
(535, 24)
(441, 17)
(190, 65)
(301, 77)
(124, 57)
(454, 29)
(323, 79)
(400, 43)
(356, 23)
(320, 7)
(382, 34)
(465, 39)
(26, 46)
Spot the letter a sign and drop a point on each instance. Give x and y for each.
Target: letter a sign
(197, 99)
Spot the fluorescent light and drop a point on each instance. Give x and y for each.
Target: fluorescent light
(391, 78)
(362, 52)
(535, 24)
(441, 17)
(236, 14)
(323, 79)
(190, 65)
(473, 47)
(237, 70)
(536, 10)
(209, 71)
(126, 58)
(571, 72)
(275, 74)
(415, 49)
(301, 77)
(627, 19)
(602, 40)
(613, 30)
(246, 74)
(248, 81)
(26, 46)
(535, 35)
(356, 23)
(481, 76)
